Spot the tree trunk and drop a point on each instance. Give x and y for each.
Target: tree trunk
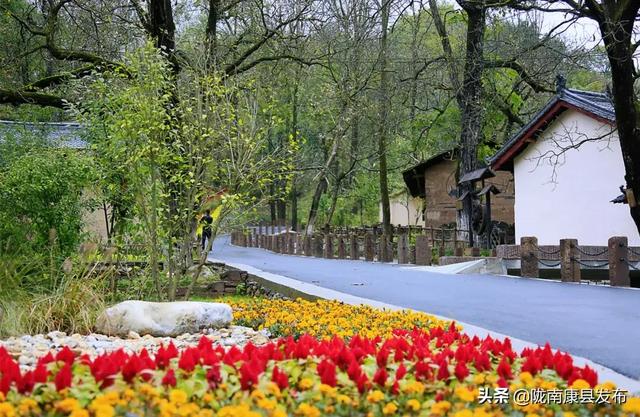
(617, 38)
(469, 96)
(315, 203)
(383, 119)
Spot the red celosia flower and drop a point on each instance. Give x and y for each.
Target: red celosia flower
(213, 376)
(443, 371)
(164, 355)
(280, 378)
(65, 355)
(504, 369)
(188, 359)
(63, 377)
(327, 371)
(169, 378)
(461, 371)
(401, 372)
(380, 377)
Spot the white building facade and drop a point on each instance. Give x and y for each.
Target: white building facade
(567, 167)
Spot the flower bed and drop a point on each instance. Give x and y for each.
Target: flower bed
(326, 319)
(433, 372)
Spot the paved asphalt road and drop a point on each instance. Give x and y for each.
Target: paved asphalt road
(599, 323)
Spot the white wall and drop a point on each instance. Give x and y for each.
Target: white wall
(567, 196)
(405, 210)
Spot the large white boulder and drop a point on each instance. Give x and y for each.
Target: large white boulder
(162, 319)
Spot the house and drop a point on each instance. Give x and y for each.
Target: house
(567, 167)
(63, 135)
(434, 183)
(406, 210)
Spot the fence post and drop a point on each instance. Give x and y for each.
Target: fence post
(423, 251)
(383, 248)
(618, 262)
(307, 245)
(353, 246)
(328, 246)
(317, 245)
(342, 250)
(291, 247)
(250, 240)
(403, 248)
(369, 246)
(529, 257)
(569, 256)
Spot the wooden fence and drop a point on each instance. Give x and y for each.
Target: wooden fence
(406, 245)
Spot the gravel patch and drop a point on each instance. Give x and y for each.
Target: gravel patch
(27, 349)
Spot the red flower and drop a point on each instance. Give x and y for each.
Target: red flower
(280, 378)
(504, 369)
(461, 371)
(532, 364)
(169, 378)
(63, 377)
(327, 372)
(164, 355)
(189, 359)
(380, 377)
(213, 376)
(401, 372)
(65, 355)
(443, 370)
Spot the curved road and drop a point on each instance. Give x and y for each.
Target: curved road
(596, 322)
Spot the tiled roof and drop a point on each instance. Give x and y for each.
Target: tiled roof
(58, 134)
(598, 105)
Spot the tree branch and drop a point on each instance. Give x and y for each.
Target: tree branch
(17, 97)
(517, 67)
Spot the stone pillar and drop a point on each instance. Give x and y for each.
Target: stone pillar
(369, 246)
(317, 246)
(250, 240)
(353, 247)
(458, 251)
(342, 248)
(475, 251)
(618, 258)
(569, 267)
(529, 257)
(328, 246)
(403, 248)
(423, 251)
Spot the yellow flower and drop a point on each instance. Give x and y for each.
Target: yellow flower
(80, 412)
(307, 410)
(278, 413)
(478, 379)
(274, 389)
(102, 410)
(343, 399)
(580, 384)
(481, 412)
(6, 409)
(207, 398)
(465, 394)
(256, 394)
(267, 404)
(375, 396)
(68, 405)
(632, 406)
(178, 396)
(526, 378)
(440, 408)
(463, 413)
(328, 390)
(413, 404)
(389, 408)
(28, 405)
(568, 414)
(414, 387)
(305, 383)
